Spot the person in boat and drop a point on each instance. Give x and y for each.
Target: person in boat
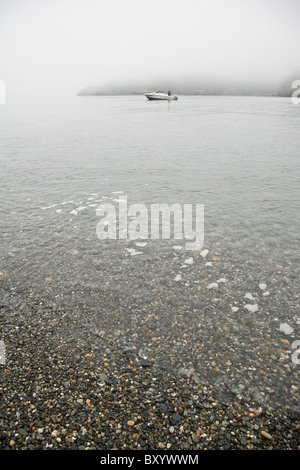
(169, 92)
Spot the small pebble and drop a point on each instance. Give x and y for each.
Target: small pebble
(204, 253)
(266, 435)
(286, 328)
(251, 308)
(213, 285)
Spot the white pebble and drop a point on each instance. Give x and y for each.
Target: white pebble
(133, 252)
(177, 247)
(285, 328)
(178, 278)
(249, 296)
(213, 285)
(251, 308)
(74, 212)
(262, 286)
(189, 261)
(204, 253)
(208, 263)
(235, 309)
(141, 244)
(49, 207)
(58, 211)
(222, 280)
(265, 294)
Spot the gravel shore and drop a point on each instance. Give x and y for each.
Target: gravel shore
(136, 364)
(128, 343)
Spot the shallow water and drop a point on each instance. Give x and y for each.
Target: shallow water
(61, 157)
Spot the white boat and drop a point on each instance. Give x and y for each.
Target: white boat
(160, 95)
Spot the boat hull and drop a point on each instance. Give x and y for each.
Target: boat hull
(160, 97)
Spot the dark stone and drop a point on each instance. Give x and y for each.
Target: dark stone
(145, 363)
(176, 417)
(163, 408)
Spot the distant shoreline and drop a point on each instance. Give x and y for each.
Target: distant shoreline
(285, 91)
(194, 94)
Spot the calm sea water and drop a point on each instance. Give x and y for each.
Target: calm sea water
(239, 156)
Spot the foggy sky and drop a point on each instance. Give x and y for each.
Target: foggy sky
(60, 46)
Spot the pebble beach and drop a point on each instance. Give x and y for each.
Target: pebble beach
(164, 353)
